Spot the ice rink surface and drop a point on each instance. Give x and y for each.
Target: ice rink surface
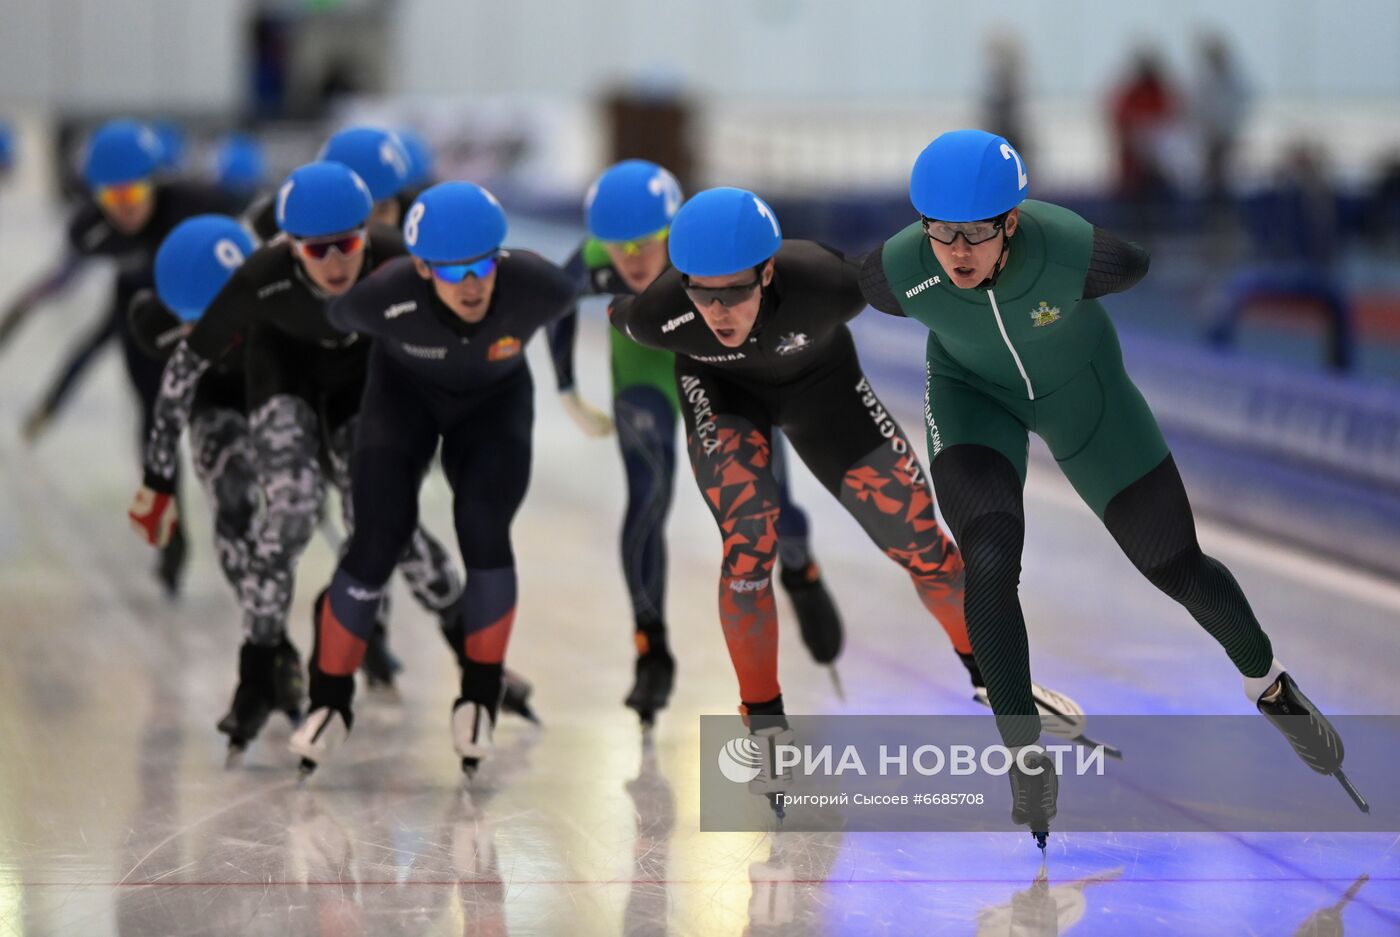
(117, 816)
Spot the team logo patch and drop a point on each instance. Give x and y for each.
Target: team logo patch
(793, 342)
(1044, 314)
(502, 348)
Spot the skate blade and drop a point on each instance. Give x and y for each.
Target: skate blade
(383, 692)
(470, 767)
(1040, 840)
(522, 710)
(305, 769)
(233, 758)
(1109, 750)
(1351, 790)
(836, 682)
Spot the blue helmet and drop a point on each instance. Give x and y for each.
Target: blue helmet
(967, 175)
(420, 158)
(195, 261)
(322, 198)
(631, 199)
(723, 231)
(121, 151)
(375, 154)
(454, 221)
(238, 163)
(172, 144)
(7, 146)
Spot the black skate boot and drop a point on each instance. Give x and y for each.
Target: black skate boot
(288, 684)
(170, 564)
(768, 728)
(380, 665)
(516, 700)
(654, 675)
(329, 716)
(817, 617)
(516, 697)
(267, 681)
(1034, 797)
(1309, 732)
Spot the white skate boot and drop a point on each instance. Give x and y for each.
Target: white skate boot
(321, 733)
(473, 726)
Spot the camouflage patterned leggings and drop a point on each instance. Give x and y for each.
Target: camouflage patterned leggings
(287, 442)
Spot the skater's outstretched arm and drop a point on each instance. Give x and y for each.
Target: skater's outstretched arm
(49, 286)
(1115, 265)
(875, 287)
(563, 332)
(156, 330)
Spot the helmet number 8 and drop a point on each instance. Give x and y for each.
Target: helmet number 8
(410, 224)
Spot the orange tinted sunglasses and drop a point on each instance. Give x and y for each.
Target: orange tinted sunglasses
(124, 195)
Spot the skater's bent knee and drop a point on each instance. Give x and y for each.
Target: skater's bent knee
(1179, 575)
(991, 545)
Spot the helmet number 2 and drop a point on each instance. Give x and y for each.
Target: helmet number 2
(665, 186)
(1008, 153)
(767, 213)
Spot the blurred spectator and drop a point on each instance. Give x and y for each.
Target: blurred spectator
(1003, 99)
(1219, 103)
(1298, 221)
(1295, 227)
(1144, 111)
(1384, 208)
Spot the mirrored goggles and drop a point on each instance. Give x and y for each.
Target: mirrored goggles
(974, 232)
(343, 244)
(123, 195)
(726, 296)
(634, 247)
(480, 268)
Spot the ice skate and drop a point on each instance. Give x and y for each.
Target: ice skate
(516, 696)
(1060, 715)
(1308, 731)
(269, 680)
(770, 782)
(473, 728)
(655, 675)
(1034, 795)
(324, 731)
(380, 665)
(817, 617)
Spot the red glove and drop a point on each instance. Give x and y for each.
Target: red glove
(153, 516)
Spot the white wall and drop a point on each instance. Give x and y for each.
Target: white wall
(837, 48)
(181, 56)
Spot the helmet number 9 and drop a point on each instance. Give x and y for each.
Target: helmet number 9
(410, 224)
(664, 184)
(228, 254)
(1008, 153)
